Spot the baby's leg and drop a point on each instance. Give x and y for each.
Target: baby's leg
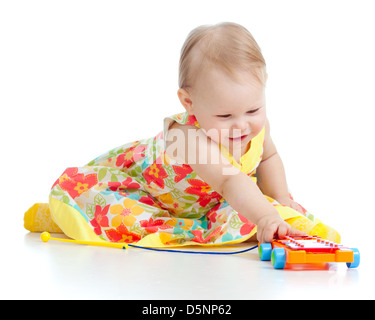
(38, 219)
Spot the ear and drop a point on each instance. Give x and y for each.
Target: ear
(185, 99)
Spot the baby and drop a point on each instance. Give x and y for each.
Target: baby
(212, 177)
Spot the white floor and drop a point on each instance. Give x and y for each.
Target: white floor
(31, 269)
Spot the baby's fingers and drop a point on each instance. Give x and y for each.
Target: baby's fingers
(296, 233)
(283, 230)
(267, 234)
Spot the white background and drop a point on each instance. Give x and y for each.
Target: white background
(78, 78)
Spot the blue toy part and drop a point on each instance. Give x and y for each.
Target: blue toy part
(278, 258)
(356, 261)
(265, 251)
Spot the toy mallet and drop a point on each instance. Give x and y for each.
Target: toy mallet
(45, 236)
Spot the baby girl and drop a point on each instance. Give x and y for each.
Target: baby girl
(211, 177)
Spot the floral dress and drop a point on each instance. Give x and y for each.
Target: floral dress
(136, 194)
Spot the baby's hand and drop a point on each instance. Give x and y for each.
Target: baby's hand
(275, 228)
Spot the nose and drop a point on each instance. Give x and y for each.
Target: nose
(240, 124)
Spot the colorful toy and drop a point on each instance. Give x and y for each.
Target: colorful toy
(306, 250)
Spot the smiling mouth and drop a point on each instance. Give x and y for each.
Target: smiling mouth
(239, 138)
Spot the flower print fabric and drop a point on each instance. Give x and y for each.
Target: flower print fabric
(135, 194)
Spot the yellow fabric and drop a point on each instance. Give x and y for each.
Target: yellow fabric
(316, 228)
(251, 158)
(71, 221)
(38, 219)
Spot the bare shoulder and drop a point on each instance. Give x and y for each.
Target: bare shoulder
(177, 141)
(186, 143)
(190, 145)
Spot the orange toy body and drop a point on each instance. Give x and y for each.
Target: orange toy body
(307, 250)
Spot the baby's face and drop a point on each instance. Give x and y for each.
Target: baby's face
(231, 112)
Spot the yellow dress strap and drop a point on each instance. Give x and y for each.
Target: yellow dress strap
(251, 159)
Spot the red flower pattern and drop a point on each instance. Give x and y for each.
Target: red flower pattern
(247, 227)
(128, 183)
(152, 226)
(127, 158)
(192, 120)
(182, 172)
(155, 173)
(101, 219)
(76, 183)
(122, 234)
(202, 189)
(198, 235)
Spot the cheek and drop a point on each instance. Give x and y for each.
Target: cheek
(215, 130)
(258, 124)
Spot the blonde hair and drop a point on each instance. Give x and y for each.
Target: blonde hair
(227, 45)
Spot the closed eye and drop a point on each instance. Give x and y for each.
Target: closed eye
(253, 111)
(223, 115)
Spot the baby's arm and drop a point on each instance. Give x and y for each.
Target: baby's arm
(271, 174)
(237, 188)
(245, 197)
